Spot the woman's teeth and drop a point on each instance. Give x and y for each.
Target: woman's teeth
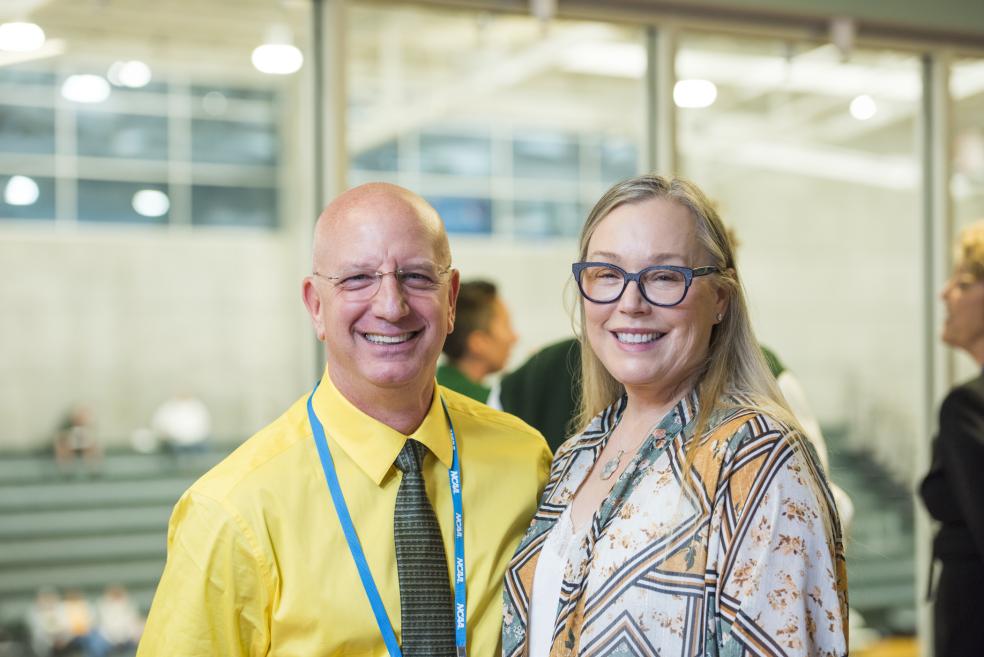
(638, 338)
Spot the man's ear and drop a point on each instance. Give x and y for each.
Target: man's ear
(453, 287)
(312, 301)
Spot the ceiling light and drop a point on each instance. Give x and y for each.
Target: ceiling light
(85, 88)
(21, 37)
(277, 58)
(863, 107)
(694, 93)
(21, 190)
(610, 59)
(278, 55)
(151, 203)
(133, 74)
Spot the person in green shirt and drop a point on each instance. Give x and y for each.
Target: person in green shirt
(481, 342)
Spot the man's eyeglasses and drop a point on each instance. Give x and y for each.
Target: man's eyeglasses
(363, 284)
(660, 285)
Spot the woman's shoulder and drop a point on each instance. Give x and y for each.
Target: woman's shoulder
(739, 426)
(736, 415)
(962, 413)
(754, 445)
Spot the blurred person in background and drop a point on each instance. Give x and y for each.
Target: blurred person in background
(329, 532)
(46, 624)
(480, 343)
(690, 515)
(76, 440)
(182, 423)
(120, 623)
(80, 625)
(953, 490)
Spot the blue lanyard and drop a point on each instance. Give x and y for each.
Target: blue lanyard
(375, 600)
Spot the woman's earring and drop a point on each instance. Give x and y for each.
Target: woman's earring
(720, 316)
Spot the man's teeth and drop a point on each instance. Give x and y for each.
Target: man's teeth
(638, 338)
(387, 339)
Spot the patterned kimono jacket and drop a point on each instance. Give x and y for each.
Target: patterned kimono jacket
(748, 560)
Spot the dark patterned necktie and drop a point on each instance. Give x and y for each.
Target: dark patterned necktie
(426, 609)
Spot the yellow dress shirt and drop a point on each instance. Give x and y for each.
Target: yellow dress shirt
(257, 563)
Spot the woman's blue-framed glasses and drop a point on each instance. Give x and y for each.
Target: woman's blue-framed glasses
(660, 285)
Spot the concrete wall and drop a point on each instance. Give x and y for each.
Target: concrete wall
(121, 319)
(834, 277)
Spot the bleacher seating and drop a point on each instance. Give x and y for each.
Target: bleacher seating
(85, 530)
(880, 546)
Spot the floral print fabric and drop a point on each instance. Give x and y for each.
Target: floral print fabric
(746, 560)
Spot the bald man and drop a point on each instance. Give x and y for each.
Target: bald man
(377, 515)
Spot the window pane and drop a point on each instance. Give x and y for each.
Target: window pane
(384, 157)
(233, 206)
(234, 93)
(27, 197)
(462, 104)
(233, 142)
(13, 74)
(619, 160)
(547, 218)
(967, 183)
(546, 156)
(455, 155)
(967, 87)
(118, 202)
(102, 134)
(464, 215)
(27, 129)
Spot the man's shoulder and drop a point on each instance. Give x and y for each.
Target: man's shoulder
(257, 462)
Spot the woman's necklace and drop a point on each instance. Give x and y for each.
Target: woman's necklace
(611, 465)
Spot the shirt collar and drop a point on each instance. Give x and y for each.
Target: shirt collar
(370, 443)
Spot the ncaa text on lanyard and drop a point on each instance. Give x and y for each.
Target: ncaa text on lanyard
(378, 610)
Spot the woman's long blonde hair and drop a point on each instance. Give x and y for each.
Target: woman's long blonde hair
(734, 365)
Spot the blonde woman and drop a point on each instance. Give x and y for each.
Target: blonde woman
(688, 517)
(953, 491)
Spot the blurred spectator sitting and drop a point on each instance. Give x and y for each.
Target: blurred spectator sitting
(182, 423)
(46, 624)
(60, 627)
(120, 624)
(76, 439)
(80, 621)
(480, 343)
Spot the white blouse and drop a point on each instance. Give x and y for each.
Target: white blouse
(549, 577)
